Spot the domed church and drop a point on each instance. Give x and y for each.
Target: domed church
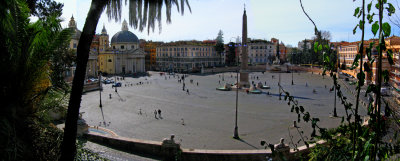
(123, 56)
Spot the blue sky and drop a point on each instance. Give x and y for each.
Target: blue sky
(282, 19)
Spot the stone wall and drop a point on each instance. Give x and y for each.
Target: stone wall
(91, 87)
(168, 149)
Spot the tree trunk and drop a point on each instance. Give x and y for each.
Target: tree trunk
(68, 147)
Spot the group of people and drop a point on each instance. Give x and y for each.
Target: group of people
(159, 114)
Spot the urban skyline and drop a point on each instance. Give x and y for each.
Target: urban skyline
(285, 21)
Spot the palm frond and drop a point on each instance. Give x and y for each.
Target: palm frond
(145, 13)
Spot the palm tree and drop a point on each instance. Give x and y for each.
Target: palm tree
(26, 62)
(142, 13)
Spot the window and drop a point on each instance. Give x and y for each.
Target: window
(122, 46)
(113, 47)
(133, 46)
(74, 45)
(109, 60)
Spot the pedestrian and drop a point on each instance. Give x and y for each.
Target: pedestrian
(306, 84)
(140, 111)
(159, 113)
(155, 114)
(183, 121)
(197, 83)
(219, 82)
(265, 82)
(187, 91)
(110, 95)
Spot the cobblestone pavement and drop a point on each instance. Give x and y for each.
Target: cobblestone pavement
(116, 155)
(208, 114)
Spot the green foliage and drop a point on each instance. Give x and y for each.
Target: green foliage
(352, 141)
(86, 154)
(45, 8)
(386, 29)
(375, 28)
(26, 59)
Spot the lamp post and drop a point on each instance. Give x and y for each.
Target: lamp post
(292, 75)
(337, 70)
(292, 69)
(115, 70)
(100, 90)
(279, 84)
(236, 132)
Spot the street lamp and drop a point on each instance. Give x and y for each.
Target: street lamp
(115, 70)
(279, 84)
(236, 133)
(292, 74)
(100, 90)
(334, 105)
(292, 68)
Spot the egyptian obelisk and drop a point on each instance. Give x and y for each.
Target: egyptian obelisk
(244, 75)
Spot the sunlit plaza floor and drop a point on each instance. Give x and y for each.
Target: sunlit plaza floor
(208, 114)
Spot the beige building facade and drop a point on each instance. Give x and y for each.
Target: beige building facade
(186, 56)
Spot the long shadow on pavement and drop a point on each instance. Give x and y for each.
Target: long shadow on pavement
(243, 141)
(283, 95)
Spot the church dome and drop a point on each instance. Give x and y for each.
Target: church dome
(125, 37)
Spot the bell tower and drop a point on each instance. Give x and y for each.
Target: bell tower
(72, 23)
(103, 40)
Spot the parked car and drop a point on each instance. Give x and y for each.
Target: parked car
(106, 81)
(118, 84)
(384, 92)
(93, 79)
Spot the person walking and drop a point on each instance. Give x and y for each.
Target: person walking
(155, 114)
(159, 113)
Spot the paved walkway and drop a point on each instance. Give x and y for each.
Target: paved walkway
(204, 118)
(117, 155)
